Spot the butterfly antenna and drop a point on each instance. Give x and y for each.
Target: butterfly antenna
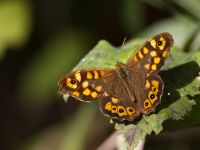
(124, 41)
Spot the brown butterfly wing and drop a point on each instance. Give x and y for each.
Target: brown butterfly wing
(86, 85)
(152, 55)
(117, 103)
(145, 64)
(100, 84)
(153, 91)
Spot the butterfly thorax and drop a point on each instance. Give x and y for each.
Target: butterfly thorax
(132, 80)
(125, 75)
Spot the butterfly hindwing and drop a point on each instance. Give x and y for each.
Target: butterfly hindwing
(152, 55)
(117, 103)
(119, 108)
(153, 90)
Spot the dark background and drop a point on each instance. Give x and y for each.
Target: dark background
(41, 40)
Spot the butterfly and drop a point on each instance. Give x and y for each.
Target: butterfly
(131, 89)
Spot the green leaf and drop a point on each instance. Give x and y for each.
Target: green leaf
(181, 86)
(15, 24)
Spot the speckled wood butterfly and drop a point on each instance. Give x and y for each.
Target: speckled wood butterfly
(130, 89)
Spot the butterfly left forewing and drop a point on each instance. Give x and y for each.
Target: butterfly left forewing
(86, 85)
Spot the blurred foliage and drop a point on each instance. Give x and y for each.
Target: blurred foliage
(130, 10)
(29, 106)
(59, 55)
(15, 24)
(64, 135)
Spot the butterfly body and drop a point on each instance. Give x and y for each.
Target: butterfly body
(130, 89)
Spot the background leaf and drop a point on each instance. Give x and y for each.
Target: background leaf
(15, 24)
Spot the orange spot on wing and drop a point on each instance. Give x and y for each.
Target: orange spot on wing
(153, 43)
(154, 89)
(147, 66)
(98, 88)
(135, 58)
(78, 76)
(157, 60)
(76, 94)
(122, 111)
(102, 73)
(154, 67)
(96, 75)
(162, 46)
(89, 75)
(145, 50)
(94, 94)
(153, 53)
(165, 54)
(147, 104)
(105, 94)
(147, 84)
(108, 106)
(155, 83)
(114, 100)
(140, 55)
(152, 99)
(130, 111)
(85, 84)
(114, 109)
(70, 85)
(86, 92)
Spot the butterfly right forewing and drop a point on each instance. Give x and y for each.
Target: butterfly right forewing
(152, 55)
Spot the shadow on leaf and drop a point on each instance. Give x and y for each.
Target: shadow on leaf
(176, 78)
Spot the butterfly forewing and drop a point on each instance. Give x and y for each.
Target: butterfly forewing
(152, 55)
(86, 85)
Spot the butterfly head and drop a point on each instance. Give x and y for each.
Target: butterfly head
(70, 82)
(162, 41)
